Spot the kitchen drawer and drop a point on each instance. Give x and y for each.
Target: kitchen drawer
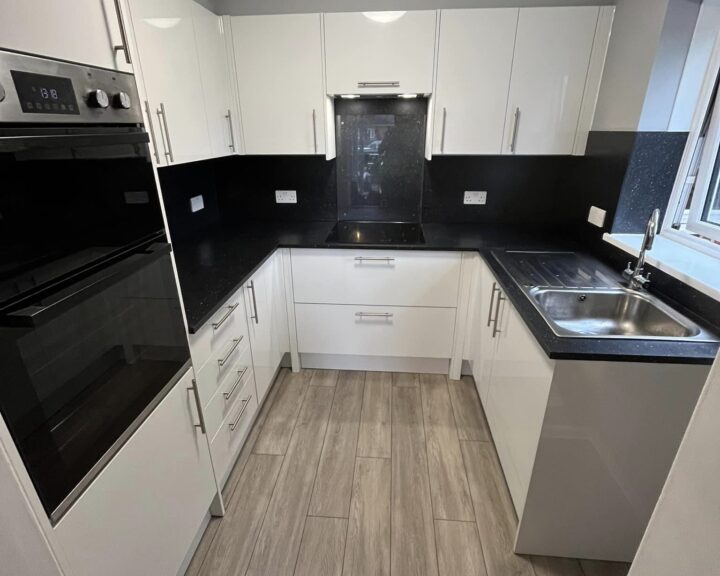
(376, 277)
(232, 386)
(375, 330)
(228, 323)
(229, 438)
(235, 352)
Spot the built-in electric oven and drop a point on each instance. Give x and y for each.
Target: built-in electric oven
(91, 328)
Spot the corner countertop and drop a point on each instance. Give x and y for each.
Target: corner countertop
(213, 266)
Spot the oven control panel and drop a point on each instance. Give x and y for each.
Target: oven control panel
(43, 90)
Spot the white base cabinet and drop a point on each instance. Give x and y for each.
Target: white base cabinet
(141, 514)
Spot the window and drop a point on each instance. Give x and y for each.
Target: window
(694, 212)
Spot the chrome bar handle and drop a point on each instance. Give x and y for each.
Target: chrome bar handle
(497, 330)
(236, 343)
(253, 316)
(230, 392)
(374, 259)
(379, 84)
(196, 394)
(152, 133)
(162, 116)
(232, 134)
(124, 45)
(225, 316)
(492, 300)
(442, 133)
(374, 314)
(315, 141)
(516, 123)
(234, 423)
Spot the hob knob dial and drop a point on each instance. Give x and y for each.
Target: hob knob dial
(122, 100)
(98, 99)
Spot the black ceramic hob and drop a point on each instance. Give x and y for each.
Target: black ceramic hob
(346, 232)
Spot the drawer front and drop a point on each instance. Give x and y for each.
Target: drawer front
(219, 367)
(228, 323)
(233, 430)
(375, 330)
(376, 277)
(232, 386)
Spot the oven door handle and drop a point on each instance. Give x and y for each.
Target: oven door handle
(21, 143)
(34, 316)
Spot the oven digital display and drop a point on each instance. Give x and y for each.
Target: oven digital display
(41, 94)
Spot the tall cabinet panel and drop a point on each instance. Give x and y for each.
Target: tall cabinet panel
(473, 79)
(171, 75)
(552, 56)
(279, 68)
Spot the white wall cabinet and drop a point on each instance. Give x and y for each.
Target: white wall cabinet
(550, 67)
(473, 79)
(215, 74)
(142, 512)
(165, 38)
(84, 31)
(380, 52)
(279, 70)
(267, 321)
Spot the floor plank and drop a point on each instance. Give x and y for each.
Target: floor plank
(469, 415)
(333, 484)
(324, 378)
(277, 429)
(374, 439)
(448, 482)
(412, 528)
(203, 548)
(551, 566)
(367, 551)
(232, 547)
(278, 544)
(322, 548)
(599, 568)
(493, 511)
(458, 548)
(406, 379)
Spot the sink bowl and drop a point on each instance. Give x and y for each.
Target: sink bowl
(613, 313)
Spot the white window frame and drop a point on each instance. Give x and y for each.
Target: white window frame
(699, 157)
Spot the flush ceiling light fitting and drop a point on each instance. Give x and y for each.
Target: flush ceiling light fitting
(385, 17)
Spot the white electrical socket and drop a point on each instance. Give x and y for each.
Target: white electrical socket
(475, 197)
(285, 196)
(596, 216)
(197, 203)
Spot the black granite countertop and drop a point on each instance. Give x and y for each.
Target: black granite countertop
(214, 265)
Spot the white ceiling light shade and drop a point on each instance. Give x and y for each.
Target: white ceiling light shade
(385, 17)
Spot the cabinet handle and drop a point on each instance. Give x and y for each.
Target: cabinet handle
(497, 330)
(232, 134)
(162, 116)
(230, 392)
(227, 314)
(236, 343)
(374, 314)
(379, 84)
(234, 423)
(315, 143)
(516, 123)
(152, 133)
(196, 394)
(442, 133)
(374, 259)
(124, 45)
(492, 300)
(254, 316)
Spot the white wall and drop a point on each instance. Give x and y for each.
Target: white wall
(683, 535)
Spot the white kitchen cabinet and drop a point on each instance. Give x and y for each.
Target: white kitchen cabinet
(553, 47)
(143, 511)
(488, 300)
(215, 74)
(165, 38)
(279, 70)
(83, 31)
(267, 321)
(380, 52)
(475, 56)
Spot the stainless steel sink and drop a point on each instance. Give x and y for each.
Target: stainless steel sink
(615, 313)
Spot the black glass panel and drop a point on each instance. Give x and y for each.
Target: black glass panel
(380, 144)
(376, 233)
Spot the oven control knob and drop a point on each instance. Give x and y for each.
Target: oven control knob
(122, 100)
(98, 99)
